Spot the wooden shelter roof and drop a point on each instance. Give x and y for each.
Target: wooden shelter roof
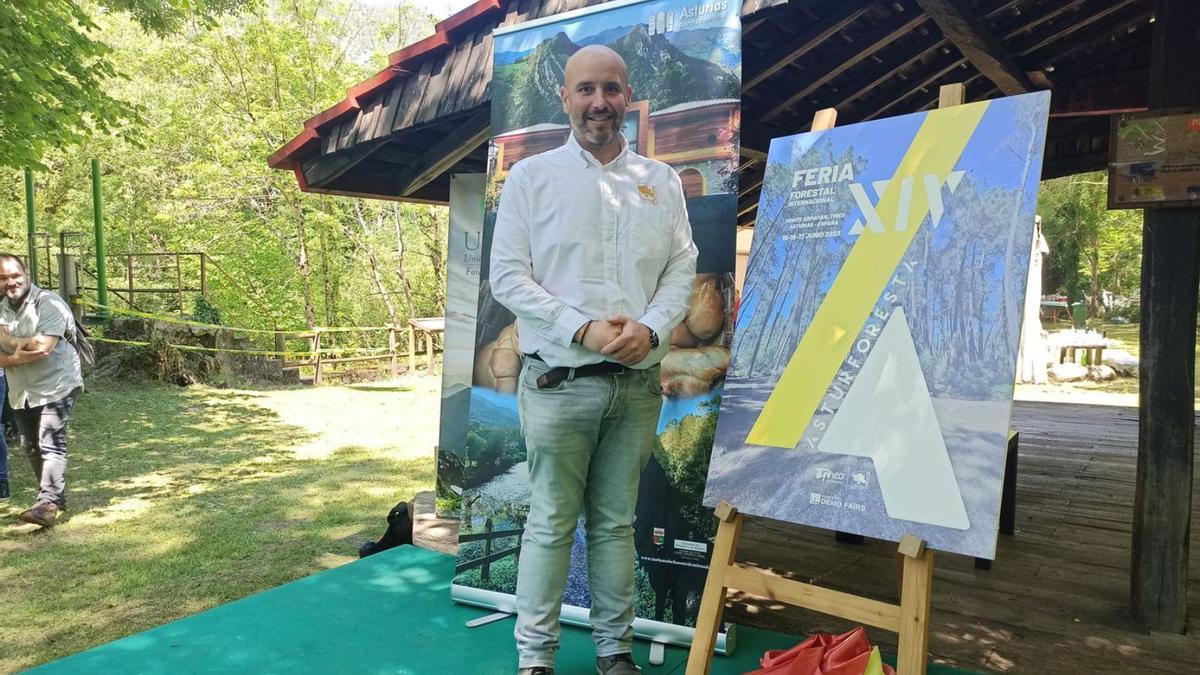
(400, 134)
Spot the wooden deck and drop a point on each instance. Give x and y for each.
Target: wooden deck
(1056, 599)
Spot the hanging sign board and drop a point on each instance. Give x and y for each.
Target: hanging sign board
(1154, 159)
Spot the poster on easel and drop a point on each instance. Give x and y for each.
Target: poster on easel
(871, 380)
(684, 66)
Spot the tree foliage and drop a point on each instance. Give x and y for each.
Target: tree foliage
(491, 451)
(683, 453)
(1091, 247)
(57, 88)
(216, 101)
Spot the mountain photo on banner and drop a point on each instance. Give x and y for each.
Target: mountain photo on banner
(675, 64)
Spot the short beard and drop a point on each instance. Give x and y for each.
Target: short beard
(594, 138)
(20, 298)
(598, 138)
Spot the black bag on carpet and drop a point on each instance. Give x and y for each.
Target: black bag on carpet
(399, 531)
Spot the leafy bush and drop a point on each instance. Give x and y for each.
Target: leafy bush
(502, 578)
(205, 312)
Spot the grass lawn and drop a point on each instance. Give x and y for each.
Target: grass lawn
(182, 499)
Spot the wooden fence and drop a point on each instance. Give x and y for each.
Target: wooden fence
(162, 281)
(485, 561)
(322, 349)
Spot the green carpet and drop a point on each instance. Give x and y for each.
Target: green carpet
(389, 613)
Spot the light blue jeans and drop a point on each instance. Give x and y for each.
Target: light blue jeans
(588, 440)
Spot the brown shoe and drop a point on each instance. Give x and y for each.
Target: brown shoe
(42, 513)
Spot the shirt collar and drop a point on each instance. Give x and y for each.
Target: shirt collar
(589, 159)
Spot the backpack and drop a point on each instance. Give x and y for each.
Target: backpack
(76, 335)
(399, 532)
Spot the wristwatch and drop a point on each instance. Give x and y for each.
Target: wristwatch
(653, 338)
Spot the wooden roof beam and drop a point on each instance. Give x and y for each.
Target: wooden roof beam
(940, 69)
(794, 49)
(755, 13)
(1037, 43)
(752, 153)
(1119, 26)
(876, 40)
(322, 170)
(1054, 13)
(968, 33)
(447, 152)
(752, 186)
(880, 76)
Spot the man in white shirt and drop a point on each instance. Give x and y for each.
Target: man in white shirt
(592, 251)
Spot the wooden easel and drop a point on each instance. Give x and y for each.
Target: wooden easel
(910, 618)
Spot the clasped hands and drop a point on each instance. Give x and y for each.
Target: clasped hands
(619, 337)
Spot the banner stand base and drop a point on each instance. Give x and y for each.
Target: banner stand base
(658, 653)
(485, 620)
(644, 629)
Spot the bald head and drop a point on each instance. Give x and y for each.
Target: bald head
(592, 56)
(595, 93)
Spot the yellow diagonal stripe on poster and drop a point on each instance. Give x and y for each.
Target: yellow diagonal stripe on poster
(934, 150)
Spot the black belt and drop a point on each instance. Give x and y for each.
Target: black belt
(552, 377)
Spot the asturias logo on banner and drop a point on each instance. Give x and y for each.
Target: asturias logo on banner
(689, 16)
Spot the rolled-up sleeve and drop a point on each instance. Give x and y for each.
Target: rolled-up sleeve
(54, 317)
(669, 304)
(511, 268)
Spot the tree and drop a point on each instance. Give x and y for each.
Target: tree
(217, 101)
(56, 88)
(1091, 247)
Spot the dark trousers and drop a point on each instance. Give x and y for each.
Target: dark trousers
(44, 439)
(3, 442)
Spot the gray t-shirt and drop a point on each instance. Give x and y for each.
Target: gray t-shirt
(52, 378)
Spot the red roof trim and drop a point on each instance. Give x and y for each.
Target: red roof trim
(290, 154)
(369, 195)
(480, 8)
(344, 106)
(368, 86)
(283, 158)
(428, 46)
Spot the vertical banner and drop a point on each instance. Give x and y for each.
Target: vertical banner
(684, 63)
(463, 258)
(872, 378)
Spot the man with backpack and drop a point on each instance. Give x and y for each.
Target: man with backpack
(44, 380)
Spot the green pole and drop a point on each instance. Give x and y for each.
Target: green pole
(30, 227)
(98, 217)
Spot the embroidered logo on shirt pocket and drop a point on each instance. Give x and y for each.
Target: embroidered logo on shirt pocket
(648, 193)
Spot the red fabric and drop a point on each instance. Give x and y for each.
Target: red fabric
(822, 654)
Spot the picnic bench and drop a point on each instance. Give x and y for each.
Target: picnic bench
(425, 328)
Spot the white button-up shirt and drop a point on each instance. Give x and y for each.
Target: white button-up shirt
(576, 240)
